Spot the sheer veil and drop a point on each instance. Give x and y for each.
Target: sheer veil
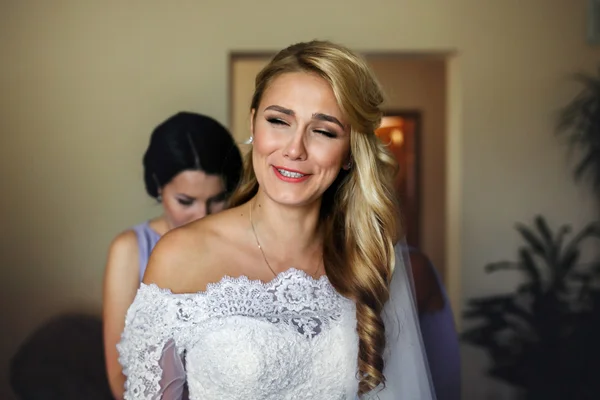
(406, 369)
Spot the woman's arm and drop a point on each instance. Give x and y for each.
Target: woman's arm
(148, 348)
(121, 281)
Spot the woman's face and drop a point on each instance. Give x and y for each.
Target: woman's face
(192, 195)
(301, 139)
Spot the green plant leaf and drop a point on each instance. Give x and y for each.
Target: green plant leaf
(536, 244)
(589, 231)
(531, 270)
(544, 230)
(579, 122)
(558, 241)
(502, 265)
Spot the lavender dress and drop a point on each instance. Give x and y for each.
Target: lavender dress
(441, 344)
(147, 239)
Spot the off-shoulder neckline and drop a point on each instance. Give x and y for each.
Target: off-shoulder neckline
(240, 279)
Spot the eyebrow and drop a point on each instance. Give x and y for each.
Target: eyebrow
(217, 196)
(317, 116)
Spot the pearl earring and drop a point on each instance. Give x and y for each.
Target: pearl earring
(250, 140)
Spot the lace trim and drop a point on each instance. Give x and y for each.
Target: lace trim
(292, 300)
(210, 287)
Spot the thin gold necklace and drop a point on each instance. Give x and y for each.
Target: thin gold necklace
(260, 247)
(258, 243)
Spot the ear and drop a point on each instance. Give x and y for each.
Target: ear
(348, 163)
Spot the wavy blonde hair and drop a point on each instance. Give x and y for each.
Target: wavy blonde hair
(359, 212)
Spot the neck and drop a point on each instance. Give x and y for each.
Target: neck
(286, 232)
(160, 225)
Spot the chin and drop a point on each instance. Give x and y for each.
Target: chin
(183, 223)
(292, 199)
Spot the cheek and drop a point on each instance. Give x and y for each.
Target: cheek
(328, 157)
(259, 162)
(266, 143)
(176, 212)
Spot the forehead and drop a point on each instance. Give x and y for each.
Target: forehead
(302, 91)
(196, 183)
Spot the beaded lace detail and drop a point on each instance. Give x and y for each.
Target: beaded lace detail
(291, 338)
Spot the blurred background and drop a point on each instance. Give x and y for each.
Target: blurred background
(474, 92)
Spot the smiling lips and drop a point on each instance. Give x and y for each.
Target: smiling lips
(289, 175)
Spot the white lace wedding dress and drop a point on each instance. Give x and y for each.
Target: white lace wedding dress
(291, 338)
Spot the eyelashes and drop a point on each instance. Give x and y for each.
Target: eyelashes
(279, 122)
(327, 134)
(185, 202)
(219, 198)
(276, 121)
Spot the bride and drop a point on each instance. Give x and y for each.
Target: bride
(297, 291)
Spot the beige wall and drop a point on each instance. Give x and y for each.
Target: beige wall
(410, 83)
(243, 72)
(83, 83)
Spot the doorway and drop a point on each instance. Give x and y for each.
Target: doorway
(400, 130)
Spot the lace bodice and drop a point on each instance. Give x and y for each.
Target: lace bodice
(292, 338)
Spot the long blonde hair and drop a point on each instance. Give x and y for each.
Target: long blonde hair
(359, 213)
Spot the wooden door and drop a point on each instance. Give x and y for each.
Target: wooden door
(400, 130)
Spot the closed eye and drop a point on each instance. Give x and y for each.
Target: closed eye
(185, 202)
(276, 121)
(327, 134)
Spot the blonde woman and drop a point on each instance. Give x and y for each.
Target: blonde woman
(296, 292)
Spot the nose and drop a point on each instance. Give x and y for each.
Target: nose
(295, 148)
(199, 212)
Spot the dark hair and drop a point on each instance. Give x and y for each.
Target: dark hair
(190, 141)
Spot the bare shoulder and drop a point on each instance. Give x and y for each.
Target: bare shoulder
(124, 242)
(122, 272)
(123, 249)
(186, 259)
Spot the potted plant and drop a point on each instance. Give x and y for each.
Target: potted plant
(544, 337)
(579, 123)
